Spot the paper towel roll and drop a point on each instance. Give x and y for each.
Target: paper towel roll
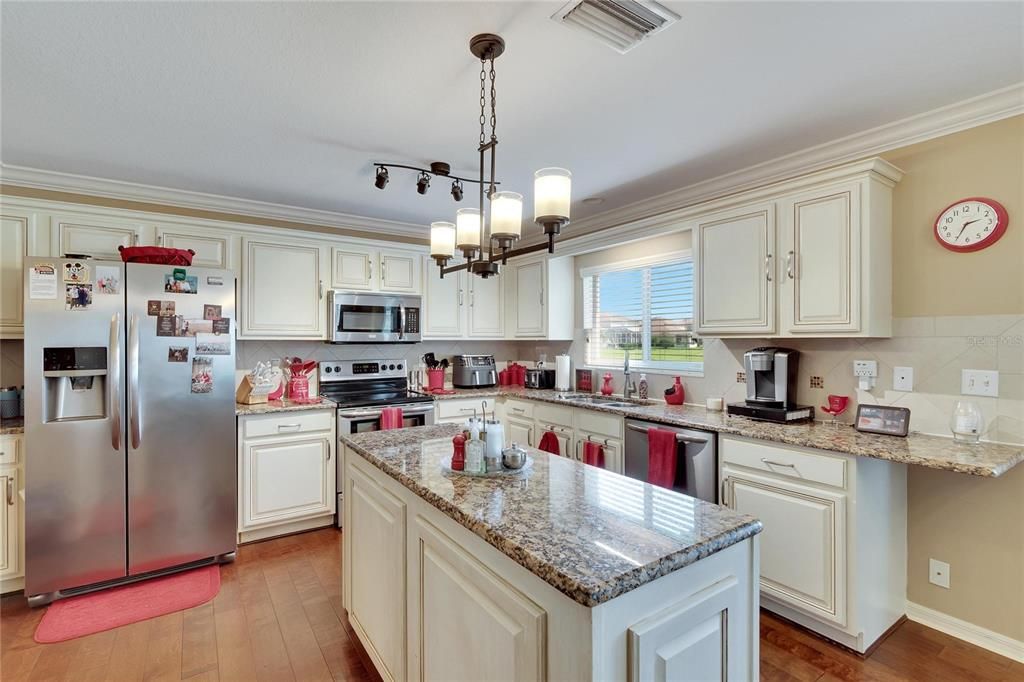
(561, 372)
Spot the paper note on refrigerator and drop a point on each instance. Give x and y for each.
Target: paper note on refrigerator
(42, 281)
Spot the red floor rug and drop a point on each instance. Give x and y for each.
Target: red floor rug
(117, 606)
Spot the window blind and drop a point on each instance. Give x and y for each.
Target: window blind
(647, 311)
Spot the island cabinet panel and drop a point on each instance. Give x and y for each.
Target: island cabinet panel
(374, 552)
(468, 622)
(689, 640)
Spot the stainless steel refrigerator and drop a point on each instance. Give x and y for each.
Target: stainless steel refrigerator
(129, 421)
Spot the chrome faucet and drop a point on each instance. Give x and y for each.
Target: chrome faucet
(628, 386)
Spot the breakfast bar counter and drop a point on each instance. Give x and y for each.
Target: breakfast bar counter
(604, 567)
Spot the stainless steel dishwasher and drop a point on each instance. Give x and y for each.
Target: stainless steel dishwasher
(697, 464)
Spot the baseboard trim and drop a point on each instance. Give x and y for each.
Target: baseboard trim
(969, 632)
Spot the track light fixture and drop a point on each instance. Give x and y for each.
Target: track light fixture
(382, 178)
(423, 183)
(457, 190)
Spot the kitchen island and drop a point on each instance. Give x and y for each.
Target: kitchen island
(564, 571)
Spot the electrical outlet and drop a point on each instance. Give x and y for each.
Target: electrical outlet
(938, 573)
(903, 378)
(979, 382)
(865, 368)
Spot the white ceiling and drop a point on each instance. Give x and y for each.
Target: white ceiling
(290, 103)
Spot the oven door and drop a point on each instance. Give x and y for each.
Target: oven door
(362, 419)
(374, 318)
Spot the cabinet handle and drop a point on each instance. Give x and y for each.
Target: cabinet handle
(10, 492)
(578, 444)
(383, 272)
(328, 450)
(772, 463)
(160, 240)
(320, 288)
(369, 268)
(460, 295)
(518, 410)
(472, 297)
(723, 496)
(541, 297)
(295, 427)
(768, 267)
(789, 264)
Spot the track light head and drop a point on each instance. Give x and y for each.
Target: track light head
(382, 178)
(457, 190)
(423, 183)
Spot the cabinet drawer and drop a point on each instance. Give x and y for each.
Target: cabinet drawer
(788, 461)
(288, 423)
(519, 409)
(453, 409)
(9, 449)
(553, 414)
(596, 422)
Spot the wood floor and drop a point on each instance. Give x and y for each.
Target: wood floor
(278, 617)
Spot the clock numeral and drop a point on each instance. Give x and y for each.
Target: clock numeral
(987, 213)
(949, 219)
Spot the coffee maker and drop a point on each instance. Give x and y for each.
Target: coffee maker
(771, 374)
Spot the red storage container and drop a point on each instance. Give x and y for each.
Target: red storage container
(158, 255)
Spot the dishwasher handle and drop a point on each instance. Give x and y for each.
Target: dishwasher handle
(681, 437)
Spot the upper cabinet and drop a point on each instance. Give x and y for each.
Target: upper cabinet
(16, 228)
(366, 268)
(281, 291)
(539, 297)
(95, 236)
(461, 305)
(213, 249)
(810, 257)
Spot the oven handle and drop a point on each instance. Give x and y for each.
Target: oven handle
(683, 438)
(377, 413)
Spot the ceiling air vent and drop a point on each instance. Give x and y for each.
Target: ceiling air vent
(620, 24)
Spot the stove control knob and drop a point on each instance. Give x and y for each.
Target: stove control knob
(399, 367)
(328, 370)
(337, 368)
(391, 366)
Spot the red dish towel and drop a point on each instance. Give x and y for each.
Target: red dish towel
(549, 443)
(593, 454)
(661, 457)
(391, 418)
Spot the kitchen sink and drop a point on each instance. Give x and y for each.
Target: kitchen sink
(595, 400)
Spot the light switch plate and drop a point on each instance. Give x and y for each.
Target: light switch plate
(938, 573)
(979, 382)
(903, 378)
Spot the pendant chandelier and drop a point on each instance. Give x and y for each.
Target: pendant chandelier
(487, 237)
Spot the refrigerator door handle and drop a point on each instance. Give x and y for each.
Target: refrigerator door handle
(114, 375)
(135, 413)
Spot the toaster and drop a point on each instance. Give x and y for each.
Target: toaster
(474, 371)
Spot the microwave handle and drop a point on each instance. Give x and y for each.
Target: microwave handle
(401, 321)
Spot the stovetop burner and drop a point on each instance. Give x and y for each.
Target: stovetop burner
(367, 383)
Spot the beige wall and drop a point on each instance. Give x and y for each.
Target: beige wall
(928, 279)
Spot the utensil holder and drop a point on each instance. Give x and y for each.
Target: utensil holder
(435, 379)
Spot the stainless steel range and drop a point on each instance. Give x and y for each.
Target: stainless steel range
(362, 389)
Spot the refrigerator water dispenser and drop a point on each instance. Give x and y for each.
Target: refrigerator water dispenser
(74, 383)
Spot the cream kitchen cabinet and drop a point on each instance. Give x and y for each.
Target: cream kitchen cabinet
(213, 248)
(17, 227)
(374, 558)
(563, 434)
(460, 305)
(807, 257)
(287, 473)
(486, 312)
(12, 513)
(364, 267)
(614, 459)
(98, 236)
(843, 516)
(458, 411)
(282, 289)
(539, 297)
(520, 431)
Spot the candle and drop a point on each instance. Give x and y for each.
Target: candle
(552, 188)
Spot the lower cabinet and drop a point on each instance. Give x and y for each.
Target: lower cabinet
(520, 431)
(12, 514)
(611, 447)
(287, 474)
(563, 434)
(468, 623)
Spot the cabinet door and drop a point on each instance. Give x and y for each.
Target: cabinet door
(736, 271)
(443, 300)
(10, 519)
(486, 307)
(400, 271)
(375, 526)
(352, 267)
(94, 237)
(282, 290)
(14, 235)
(820, 235)
(467, 622)
(799, 521)
(565, 440)
(520, 431)
(287, 479)
(613, 460)
(529, 287)
(212, 249)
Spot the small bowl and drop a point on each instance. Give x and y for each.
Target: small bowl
(513, 457)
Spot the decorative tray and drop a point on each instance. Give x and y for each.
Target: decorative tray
(446, 467)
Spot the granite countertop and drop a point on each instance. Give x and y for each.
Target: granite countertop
(935, 452)
(12, 426)
(590, 533)
(282, 406)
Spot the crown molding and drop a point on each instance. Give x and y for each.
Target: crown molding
(177, 198)
(969, 113)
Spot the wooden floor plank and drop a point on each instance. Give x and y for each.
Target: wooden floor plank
(270, 656)
(307, 660)
(163, 655)
(235, 660)
(128, 658)
(199, 641)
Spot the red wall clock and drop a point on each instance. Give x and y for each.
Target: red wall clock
(971, 224)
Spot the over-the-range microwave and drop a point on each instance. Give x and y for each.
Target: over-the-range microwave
(374, 318)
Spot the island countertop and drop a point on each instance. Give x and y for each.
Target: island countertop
(590, 533)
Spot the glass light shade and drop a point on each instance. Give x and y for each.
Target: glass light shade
(467, 227)
(442, 239)
(552, 190)
(506, 215)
